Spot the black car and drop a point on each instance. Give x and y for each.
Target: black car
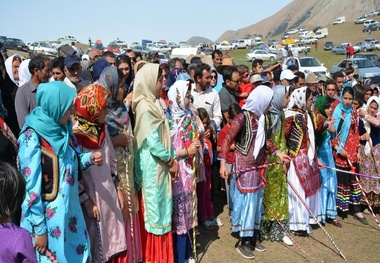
(16, 44)
(328, 45)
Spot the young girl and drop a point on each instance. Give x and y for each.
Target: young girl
(245, 86)
(326, 131)
(16, 242)
(205, 205)
(346, 152)
(99, 196)
(183, 131)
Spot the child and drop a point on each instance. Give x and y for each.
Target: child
(16, 242)
(233, 110)
(205, 206)
(245, 86)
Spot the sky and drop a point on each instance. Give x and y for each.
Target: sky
(37, 20)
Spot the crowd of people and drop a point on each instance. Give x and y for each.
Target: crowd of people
(120, 159)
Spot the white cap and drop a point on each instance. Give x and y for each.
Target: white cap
(287, 74)
(255, 78)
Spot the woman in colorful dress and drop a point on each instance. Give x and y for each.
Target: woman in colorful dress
(251, 143)
(99, 196)
(119, 127)
(154, 165)
(50, 161)
(303, 173)
(326, 131)
(276, 191)
(183, 131)
(346, 154)
(369, 129)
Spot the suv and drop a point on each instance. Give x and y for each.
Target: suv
(241, 43)
(328, 45)
(16, 44)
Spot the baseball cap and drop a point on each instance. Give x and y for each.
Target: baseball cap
(287, 74)
(311, 78)
(70, 60)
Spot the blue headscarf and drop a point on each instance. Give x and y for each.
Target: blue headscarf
(53, 100)
(342, 133)
(173, 76)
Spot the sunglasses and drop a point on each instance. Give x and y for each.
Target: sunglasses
(245, 75)
(213, 77)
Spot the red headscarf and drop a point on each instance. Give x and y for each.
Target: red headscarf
(89, 102)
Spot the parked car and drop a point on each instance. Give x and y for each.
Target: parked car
(365, 46)
(339, 50)
(339, 20)
(223, 46)
(356, 48)
(328, 45)
(71, 38)
(309, 40)
(44, 48)
(241, 43)
(143, 50)
(62, 42)
(371, 56)
(119, 43)
(134, 44)
(16, 44)
(114, 48)
(366, 68)
(173, 45)
(205, 51)
(163, 48)
(308, 64)
(360, 20)
(376, 43)
(372, 27)
(260, 54)
(164, 58)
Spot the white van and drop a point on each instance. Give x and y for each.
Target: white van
(303, 34)
(321, 33)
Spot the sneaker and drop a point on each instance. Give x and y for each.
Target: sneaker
(245, 252)
(208, 225)
(287, 240)
(259, 247)
(190, 260)
(218, 222)
(309, 229)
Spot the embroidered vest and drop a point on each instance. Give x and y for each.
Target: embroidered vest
(244, 138)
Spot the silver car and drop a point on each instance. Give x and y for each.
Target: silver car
(366, 68)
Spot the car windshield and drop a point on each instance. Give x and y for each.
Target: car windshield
(370, 57)
(365, 63)
(309, 62)
(46, 45)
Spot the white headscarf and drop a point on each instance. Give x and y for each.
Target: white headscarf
(257, 102)
(24, 73)
(8, 67)
(367, 125)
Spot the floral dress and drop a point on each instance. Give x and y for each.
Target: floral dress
(61, 218)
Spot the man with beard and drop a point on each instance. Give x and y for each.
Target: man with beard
(73, 71)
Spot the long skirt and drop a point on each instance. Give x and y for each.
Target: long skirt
(156, 248)
(371, 168)
(299, 216)
(205, 205)
(247, 211)
(349, 193)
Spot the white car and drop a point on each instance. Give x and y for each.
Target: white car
(62, 42)
(376, 43)
(309, 40)
(119, 43)
(223, 46)
(260, 54)
(163, 48)
(307, 64)
(44, 48)
(134, 44)
(71, 38)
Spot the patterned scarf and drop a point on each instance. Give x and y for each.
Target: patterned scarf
(89, 103)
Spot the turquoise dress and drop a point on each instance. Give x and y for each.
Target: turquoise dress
(158, 204)
(62, 218)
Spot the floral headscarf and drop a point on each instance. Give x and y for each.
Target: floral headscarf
(89, 102)
(367, 124)
(299, 98)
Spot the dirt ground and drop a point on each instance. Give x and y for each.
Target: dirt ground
(358, 242)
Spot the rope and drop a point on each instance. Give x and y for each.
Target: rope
(351, 172)
(283, 228)
(315, 218)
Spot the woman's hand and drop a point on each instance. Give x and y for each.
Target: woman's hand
(97, 158)
(40, 243)
(362, 112)
(91, 209)
(173, 170)
(365, 137)
(343, 153)
(283, 157)
(223, 170)
(128, 99)
(194, 146)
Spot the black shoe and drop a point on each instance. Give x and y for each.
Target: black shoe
(259, 247)
(361, 219)
(245, 251)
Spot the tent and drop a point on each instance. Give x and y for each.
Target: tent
(288, 41)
